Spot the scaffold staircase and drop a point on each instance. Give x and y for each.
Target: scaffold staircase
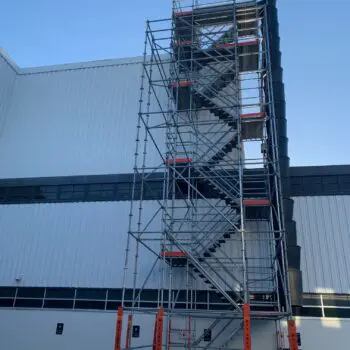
(222, 225)
(206, 78)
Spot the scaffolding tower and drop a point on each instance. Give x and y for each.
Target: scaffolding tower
(207, 129)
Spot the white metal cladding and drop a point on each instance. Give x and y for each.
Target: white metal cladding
(318, 333)
(7, 81)
(73, 121)
(83, 245)
(82, 330)
(96, 330)
(79, 245)
(323, 228)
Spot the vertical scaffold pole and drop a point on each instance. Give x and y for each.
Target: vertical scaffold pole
(118, 329)
(158, 330)
(292, 335)
(246, 327)
(159, 338)
(241, 164)
(189, 333)
(155, 333)
(128, 332)
(169, 335)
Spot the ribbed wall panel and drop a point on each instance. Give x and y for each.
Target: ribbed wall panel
(81, 245)
(96, 330)
(7, 81)
(74, 121)
(323, 229)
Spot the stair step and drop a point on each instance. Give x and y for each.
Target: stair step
(219, 84)
(207, 255)
(213, 108)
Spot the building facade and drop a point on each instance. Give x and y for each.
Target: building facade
(67, 144)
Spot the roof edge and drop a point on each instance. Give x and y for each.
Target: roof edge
(82, 65)
(69, 66)
(9, 60)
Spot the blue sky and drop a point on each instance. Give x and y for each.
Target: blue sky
(315, 46)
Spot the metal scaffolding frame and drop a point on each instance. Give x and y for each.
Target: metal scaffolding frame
(207, 111)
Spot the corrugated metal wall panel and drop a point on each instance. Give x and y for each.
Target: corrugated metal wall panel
(7, 81)
(81, 245)
(317, 333)
(323, 229)
(96, 330)
(70, 122)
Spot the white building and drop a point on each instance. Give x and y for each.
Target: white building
(67, 137)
